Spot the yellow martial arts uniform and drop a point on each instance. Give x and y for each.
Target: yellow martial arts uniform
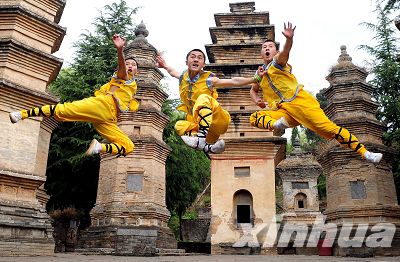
(201, 107)
(101, 110)
(286, 98)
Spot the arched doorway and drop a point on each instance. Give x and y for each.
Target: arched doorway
(243, 207)
(300, 201)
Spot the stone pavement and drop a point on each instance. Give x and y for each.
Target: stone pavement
(63, 257)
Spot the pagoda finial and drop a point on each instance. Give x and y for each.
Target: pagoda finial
(141, 32)
(296, 145)
(344, 56)
(344, 62)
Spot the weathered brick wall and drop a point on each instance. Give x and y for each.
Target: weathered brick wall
(28, 29)
(195, 230)
(126, 240)
(136, 241)
(24, 231)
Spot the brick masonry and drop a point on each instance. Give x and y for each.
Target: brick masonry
(358, 192)
(126, 240)
(28, 28)
(234, 52)
(130, 215)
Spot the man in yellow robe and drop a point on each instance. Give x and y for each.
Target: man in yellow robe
(205, 119)
(101, 110)
(290, 105)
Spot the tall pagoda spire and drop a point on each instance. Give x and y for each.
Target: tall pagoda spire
(357, 191)
(243, 177)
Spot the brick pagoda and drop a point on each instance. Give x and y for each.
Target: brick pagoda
(29, 34)
(130, 216)
(243, 177)
(357, 191)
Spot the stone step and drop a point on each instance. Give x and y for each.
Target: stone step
(170, 252)
(180, 254)
(159, 252)
(95, 251)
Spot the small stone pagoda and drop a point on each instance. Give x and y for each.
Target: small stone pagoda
(243, 177)
(130, 216)
(299, 173)
(358, 192)
(29, 34)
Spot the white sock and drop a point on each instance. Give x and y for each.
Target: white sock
(281, 123)
(98, 147)
(373, 157)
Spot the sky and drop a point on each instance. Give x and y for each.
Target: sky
(175, 27)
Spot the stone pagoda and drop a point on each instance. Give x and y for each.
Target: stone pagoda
(130, 215)
(358, 192)
(243, 177)
(29, 34)
(299, 173)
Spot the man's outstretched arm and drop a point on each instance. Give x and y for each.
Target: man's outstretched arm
(119, 43)
(239, 81)
(160, 63)
(283, 57)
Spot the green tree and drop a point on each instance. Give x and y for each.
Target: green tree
(390, 4)
(386, 74)
(295, 134)
(187, 170)
(323, 101)
(71, 177)
(321, 186)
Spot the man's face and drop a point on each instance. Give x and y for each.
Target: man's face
(131, 66)
(268, 51)
(195, 61)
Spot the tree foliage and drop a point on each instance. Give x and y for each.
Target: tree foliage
(71, 177)
(390, 4)
(295, 134)
(385, 69)
(187, 170)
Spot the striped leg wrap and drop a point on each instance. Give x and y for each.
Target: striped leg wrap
(260, 122)
(342, 141)
(120, 149)
(207, 148)
(204, 124)
(42, 111)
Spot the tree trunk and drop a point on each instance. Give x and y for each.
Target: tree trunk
(180, 226)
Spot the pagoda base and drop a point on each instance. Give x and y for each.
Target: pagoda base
(366, 231)
(126, 240)
(229, 249)
(363, 249)
(25, 230)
